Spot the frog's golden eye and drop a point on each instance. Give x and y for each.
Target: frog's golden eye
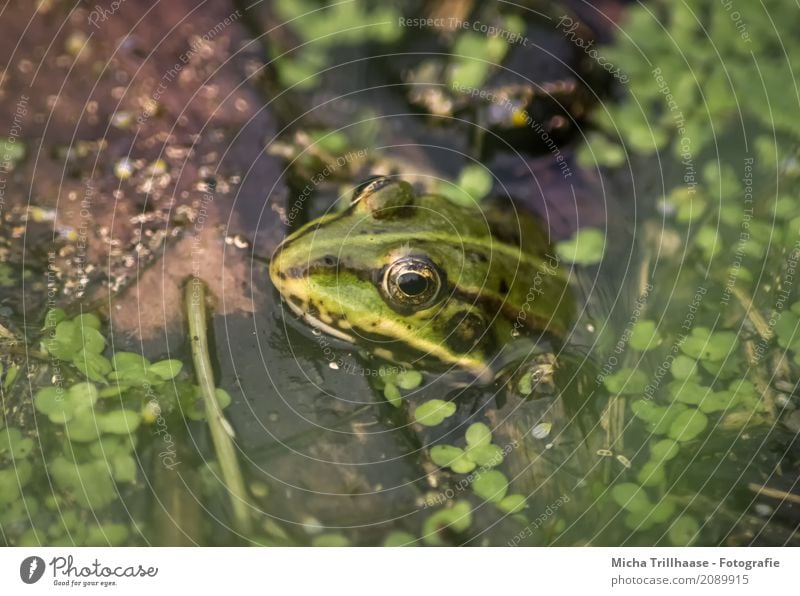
(383, 196)
(411, 284)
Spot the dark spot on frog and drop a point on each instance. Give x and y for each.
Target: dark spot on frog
(503, 289)
(465, 330)
(296, 301)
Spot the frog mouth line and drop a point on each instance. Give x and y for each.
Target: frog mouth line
(317, 323)
(482, 373)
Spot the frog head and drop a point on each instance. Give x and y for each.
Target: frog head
(418, 280)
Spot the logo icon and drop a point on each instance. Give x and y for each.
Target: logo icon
(31, 569)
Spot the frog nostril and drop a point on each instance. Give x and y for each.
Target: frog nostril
(329, 261)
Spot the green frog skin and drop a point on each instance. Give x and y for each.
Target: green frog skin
(421, 281)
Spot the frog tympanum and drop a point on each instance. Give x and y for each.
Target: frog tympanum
(421, 281)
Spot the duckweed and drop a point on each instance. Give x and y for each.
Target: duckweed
(664, 449)
(627, 381)
(491, 486)
(513, 503)
(703, 344)
(399, 539)
(479, 451)
(683, 531)
(478, 435)
(688, 425)
(330, 540)
(409, 379)
(631, 497)
(472, 185)
(391, 381)
(454, 519)
(644, 336)
(444, 455)
(96, 409)
(586, 247)
(434, 412)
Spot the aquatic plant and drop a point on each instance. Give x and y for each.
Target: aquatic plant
(710, 97)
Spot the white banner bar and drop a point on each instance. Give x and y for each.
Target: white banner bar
(398, 571)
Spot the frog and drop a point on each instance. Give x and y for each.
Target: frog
(423, 282)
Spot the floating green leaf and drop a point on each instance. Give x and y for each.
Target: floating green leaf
(586, 247)
(631, 497)
(166, 369)
(94, 366)
(392, 395)
(644, 336)
(491, 486)
(455, 519)
(12, 443)
(651, 474)
(434, 412)
(683, 531)
(478, 435)
(683, 367)
(399, 539)
(119, 422)
(688, 425)
(107, 535)
(703, 344)
(487, 456)
(626, 381)
(513, 503)
(60, 406)
(90, 484)
(664, 450)
(444, 455)
(409, 379)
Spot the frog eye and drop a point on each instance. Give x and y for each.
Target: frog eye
(369, 186)
(411, 284)
(382, 196)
